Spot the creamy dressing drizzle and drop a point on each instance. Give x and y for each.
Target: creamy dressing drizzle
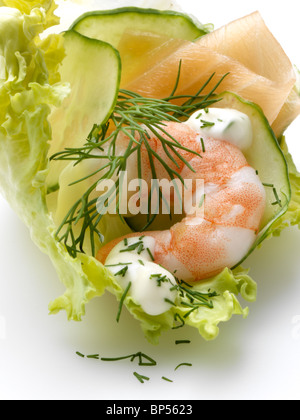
(223, 124)
(151, 285)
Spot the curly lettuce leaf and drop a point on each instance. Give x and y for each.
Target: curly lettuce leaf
(29, 90)
(227, 285)
(25, 6)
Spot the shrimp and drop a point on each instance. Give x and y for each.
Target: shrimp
(199, 247)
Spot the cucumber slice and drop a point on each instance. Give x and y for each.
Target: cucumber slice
(266, 156)
(93, 70)
(110, 25)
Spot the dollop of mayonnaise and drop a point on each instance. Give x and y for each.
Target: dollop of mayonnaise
(152, 287)
(223, 124)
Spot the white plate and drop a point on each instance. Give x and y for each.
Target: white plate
(257, 358)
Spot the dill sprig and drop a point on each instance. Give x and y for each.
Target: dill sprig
(137, 118)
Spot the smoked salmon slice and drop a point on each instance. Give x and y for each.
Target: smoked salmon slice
(259, 70)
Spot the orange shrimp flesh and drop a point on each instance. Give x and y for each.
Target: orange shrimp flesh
(197, 248)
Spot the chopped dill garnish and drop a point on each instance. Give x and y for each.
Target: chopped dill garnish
(193, 299)
(136, 117)
(183, 364)
(122, 272)
(160, 278)
(166, 379)
(133, 247)
(177, 317)
(140, 248)
(141, 378)
(206, 124)
(122, 301)
(170, 302)
(203, 145)
(185, 283)
(93, 356)
(278, 201)
(143, 359)
(116, 265)
(182, 342)
(150, 253)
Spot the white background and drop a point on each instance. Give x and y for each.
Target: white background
(257, 358)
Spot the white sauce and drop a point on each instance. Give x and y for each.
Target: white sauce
(151, 284)
(223, 124)
(238, 242)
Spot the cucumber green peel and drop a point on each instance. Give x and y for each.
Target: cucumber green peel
(31, 88)
(268, 159)
(110, 25)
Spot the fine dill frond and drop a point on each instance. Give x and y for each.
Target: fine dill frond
(138, 118)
